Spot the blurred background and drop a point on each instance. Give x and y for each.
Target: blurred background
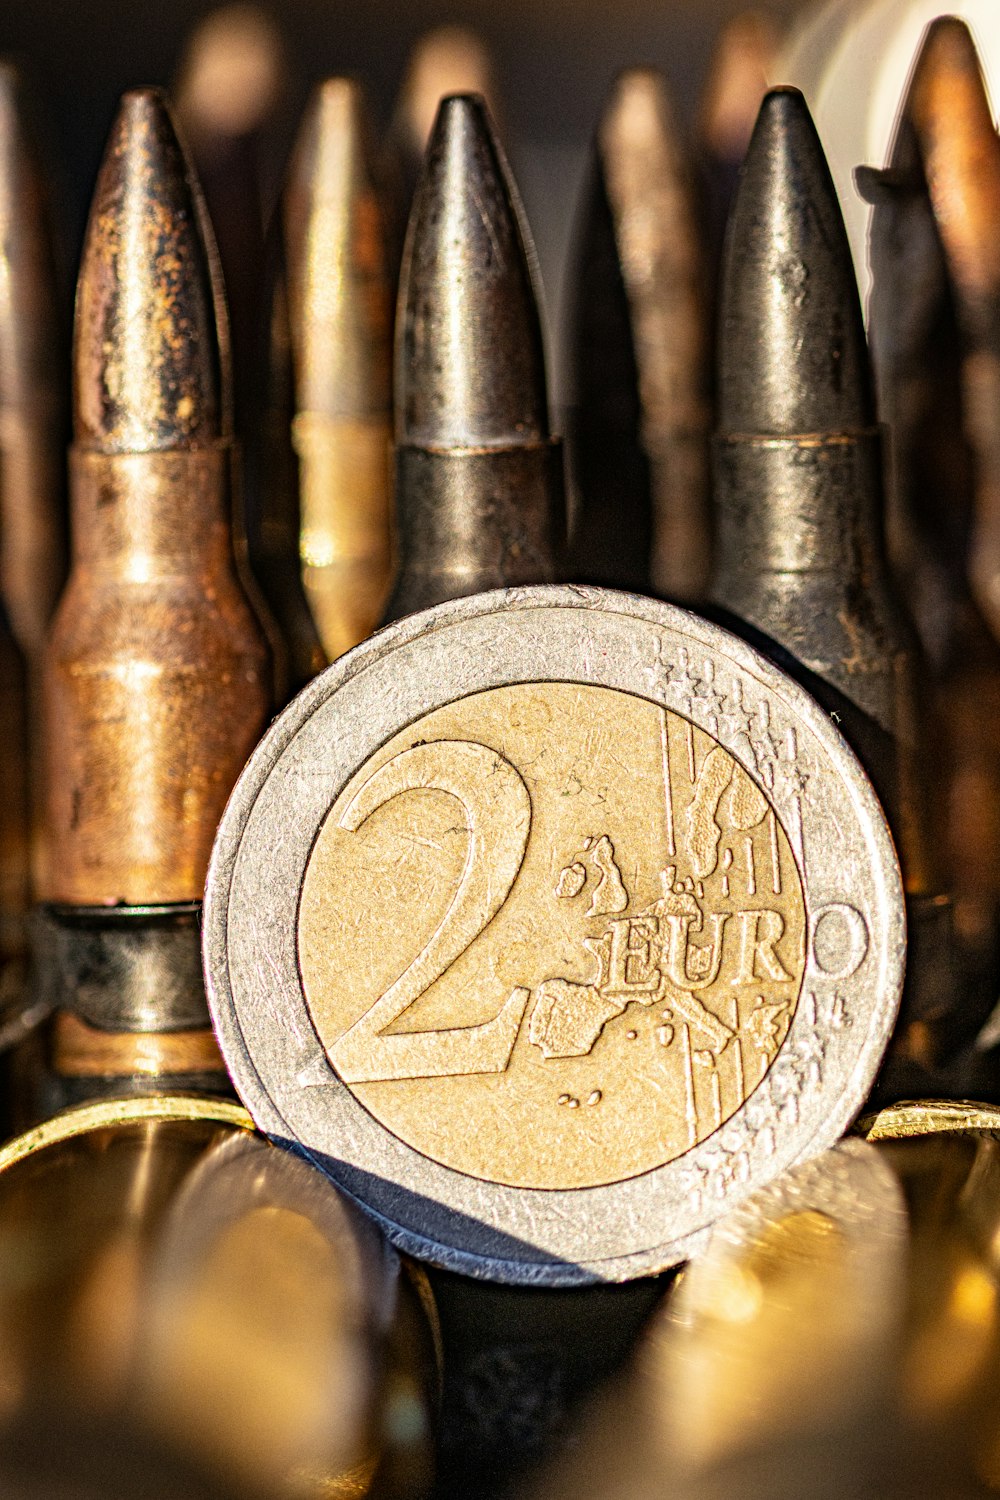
(552, 62)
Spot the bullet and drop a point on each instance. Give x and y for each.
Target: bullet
(340, 315)
(936, 346)
(32, 488)
(157, 678)
(209, 1293)
(479, 488)
(800, 562)
(638, 428)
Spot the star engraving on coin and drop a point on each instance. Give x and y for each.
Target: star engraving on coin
(529, 868)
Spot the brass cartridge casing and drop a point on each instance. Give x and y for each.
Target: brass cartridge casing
(156, 673)
(171, 1272)
(840, 1332)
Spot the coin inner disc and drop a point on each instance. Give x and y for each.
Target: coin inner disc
(552, 935)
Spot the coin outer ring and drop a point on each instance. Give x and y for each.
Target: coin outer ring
(838, 1034)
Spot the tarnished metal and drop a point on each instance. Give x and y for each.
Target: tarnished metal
(798, 491)
(340, 314)
(478, 475)
(157, 679)
(936, 346)
(638, 426)
(169, 1270)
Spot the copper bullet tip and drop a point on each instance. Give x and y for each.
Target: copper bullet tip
(948, 109)
(147, 367)
(793, 357)
(470, 361)
(338, 281)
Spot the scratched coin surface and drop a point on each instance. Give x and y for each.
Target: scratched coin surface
(551, 923)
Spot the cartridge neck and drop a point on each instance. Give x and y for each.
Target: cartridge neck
(472, 519)
(151, 511)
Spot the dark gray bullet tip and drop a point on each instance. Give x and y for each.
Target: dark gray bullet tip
(470, 368)
(793, 358)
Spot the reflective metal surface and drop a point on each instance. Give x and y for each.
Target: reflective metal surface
(164, 1267)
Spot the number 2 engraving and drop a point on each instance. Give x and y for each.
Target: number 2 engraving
(497, 809)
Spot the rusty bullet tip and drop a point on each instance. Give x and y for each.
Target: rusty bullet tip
(339, 287)
(470, 361)
(147, 365)
(793, 358)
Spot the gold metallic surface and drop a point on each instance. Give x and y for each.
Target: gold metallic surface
(83, 1051)
(928, 1117)
(340, 315)
(157, 678)
(110, 1112)
(651, 195)
(165, 1266)
(654, 944)
(838, 1336)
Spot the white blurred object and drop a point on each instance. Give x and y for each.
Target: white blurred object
(852, 60)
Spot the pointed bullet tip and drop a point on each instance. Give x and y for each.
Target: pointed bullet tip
(793, 356)
(147, 362)
(948, 50)
(954, 32)
(470, 362)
